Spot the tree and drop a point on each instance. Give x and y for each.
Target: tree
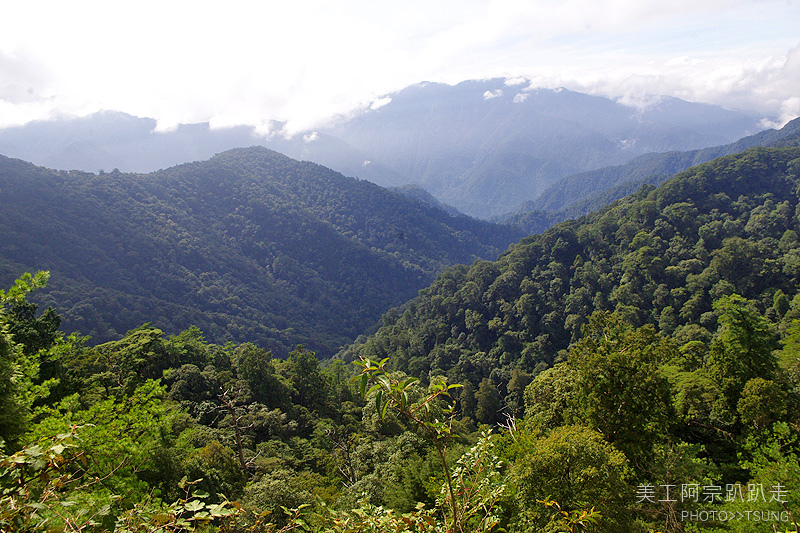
(574, 466)
(743, 349)
(550, 398)
(489, 403)
(18, 369)
(32, 332)
(515, 399)
(473, 485)
(121, 366)
(762, 403)
(121, 435)
(467, 400)
(254, 365)
(619, 388)
(12, 416)
(302, 371)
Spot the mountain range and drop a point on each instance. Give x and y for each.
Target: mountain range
(505, 382)
(483, 147)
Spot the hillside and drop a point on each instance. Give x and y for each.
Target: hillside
(660, 256)
(248, 245)
(580, 194)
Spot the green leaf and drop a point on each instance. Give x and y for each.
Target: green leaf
(409, 381)
(194, 505)
(383, 411)
(34, 451)
(104, 510)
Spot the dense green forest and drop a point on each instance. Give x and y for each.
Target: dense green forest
(660, 256)
(248, 246)
(578, 195)
(637, 370)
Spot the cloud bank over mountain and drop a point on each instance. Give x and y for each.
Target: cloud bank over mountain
(304, 63)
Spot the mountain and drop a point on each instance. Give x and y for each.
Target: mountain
(418, 193)
(583, 193)
(483, 146)
(247, 245)
(109, 139)
(660, 256)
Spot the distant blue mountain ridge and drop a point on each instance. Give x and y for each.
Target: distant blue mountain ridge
(483, 147)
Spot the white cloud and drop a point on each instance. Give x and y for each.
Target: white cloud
(305, 62)
(513, 82)
(684, 60)
(310, 137)
(790, 109)
(380, 102)
(520, 97)
(488, 95)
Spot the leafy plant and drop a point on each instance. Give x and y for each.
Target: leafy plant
(572, 521)
(473, 485)
(39, 486)
(186, 514)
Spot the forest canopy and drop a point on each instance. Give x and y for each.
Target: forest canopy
(568, 386)
(249, 246)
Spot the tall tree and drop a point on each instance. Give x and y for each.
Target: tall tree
(743, 349)
(619, 388)
(489, 403)
(302, 370)
(18, 369)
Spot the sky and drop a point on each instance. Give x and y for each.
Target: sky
(307, 63)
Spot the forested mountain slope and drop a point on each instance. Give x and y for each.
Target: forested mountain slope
(660, 256)
(248, 245)
(580, 194)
